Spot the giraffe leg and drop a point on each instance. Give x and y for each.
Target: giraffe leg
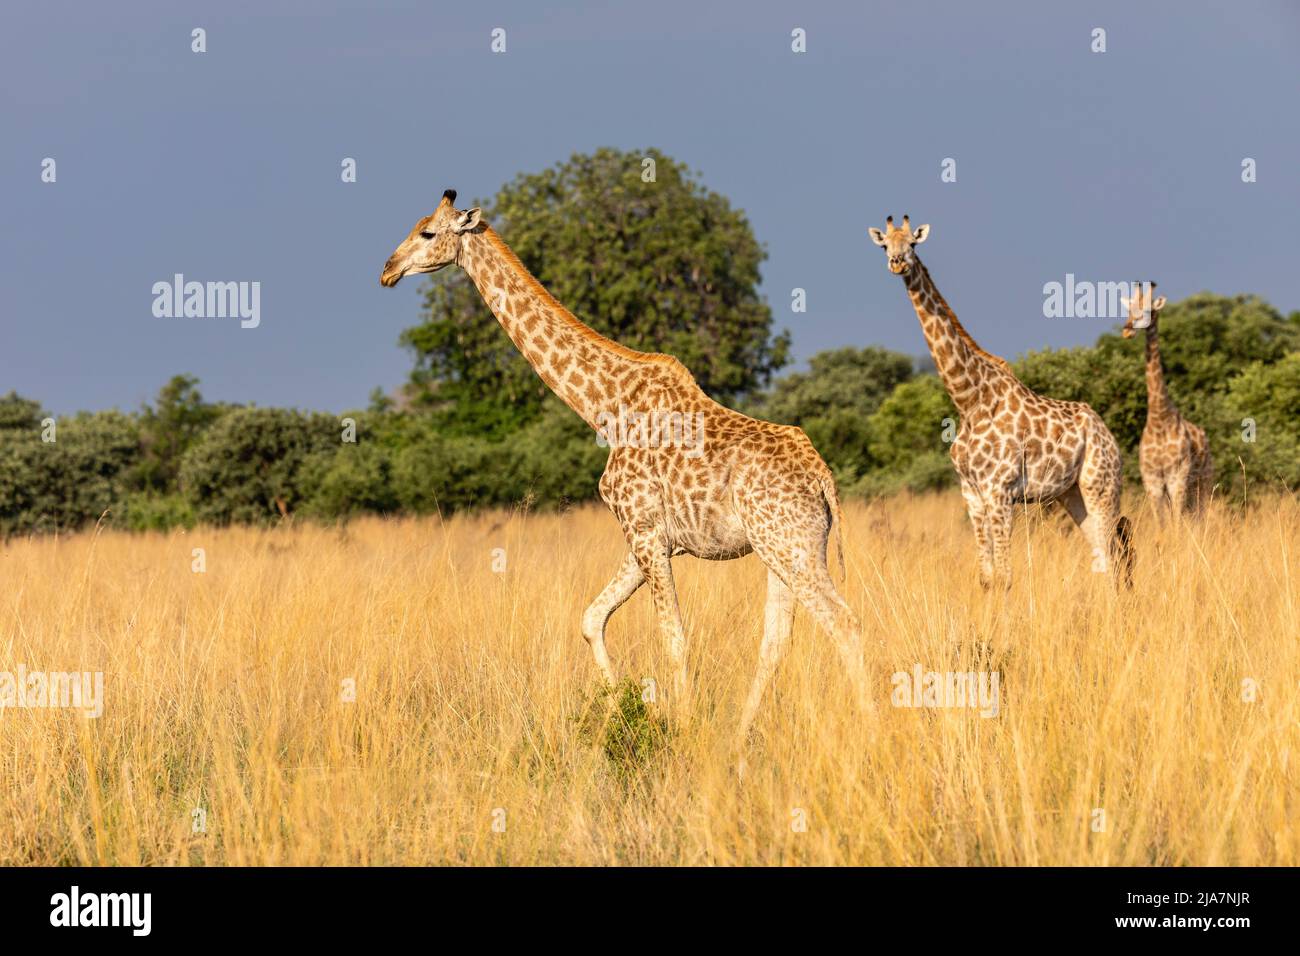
(1108, 534)
(621, 587)
(653, 556)
(983, 538)
(1178, 497)
(1155, 498)
(816, 592)
(1204, 486)
(1195, 492)
(1090, 526)
(1154, 483)
(1072, 501)
(777, 621)
(984, 543)
(1105, 547)
(789, 533)
(1097, 533)
(997, 523)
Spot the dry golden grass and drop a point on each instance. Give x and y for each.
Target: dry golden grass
(223, 691)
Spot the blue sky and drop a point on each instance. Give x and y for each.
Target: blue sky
(225, 165)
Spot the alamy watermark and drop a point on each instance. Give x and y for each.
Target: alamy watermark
(69, 690)
(947, 689)
(1084, 299)
(208, 300)
(651, 429)
(133, 911)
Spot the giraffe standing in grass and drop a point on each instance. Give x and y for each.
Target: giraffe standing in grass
(1014, 445)
(1173, 456)
(717, 485)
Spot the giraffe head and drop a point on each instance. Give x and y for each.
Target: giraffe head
(433, 243)
(898, 242)
(1142, 307)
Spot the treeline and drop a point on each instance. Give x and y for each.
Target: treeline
(257, 465)
(679, 272)
(1233, 366)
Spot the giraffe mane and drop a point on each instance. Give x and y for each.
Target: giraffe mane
(578, 326)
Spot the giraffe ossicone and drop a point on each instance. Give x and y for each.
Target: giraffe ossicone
(739, 485)
(1013, 445)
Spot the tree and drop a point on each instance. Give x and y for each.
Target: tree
(64, 484)
(910, 436)
(665, 265)
(168, 429)
(253, 464)
(833, 400)
(1264, 409)
(20, 414)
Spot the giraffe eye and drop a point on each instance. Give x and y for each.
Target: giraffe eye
(426, 235)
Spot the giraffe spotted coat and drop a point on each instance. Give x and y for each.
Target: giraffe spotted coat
(1014, 445)
(739, 484)
(1173, 456)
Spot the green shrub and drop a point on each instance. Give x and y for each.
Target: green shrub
(1265, 400)
(64, 484)
(356, 479)
(150, 511)
(628, 731)
(251, 466)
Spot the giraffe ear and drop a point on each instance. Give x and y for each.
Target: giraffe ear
(876, 235)
(920, 233)
(468, 220)
(1123, 301)
(1158, 304)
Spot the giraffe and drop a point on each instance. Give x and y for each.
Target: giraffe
(1014, 445)
(718, 489)
(1173, 456)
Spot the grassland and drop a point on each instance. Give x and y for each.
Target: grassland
(390, 693)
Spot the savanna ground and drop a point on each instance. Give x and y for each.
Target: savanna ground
(478, 734)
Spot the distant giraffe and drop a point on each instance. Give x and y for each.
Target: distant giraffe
(731, 486)
(1014, 445)
(1174, 456)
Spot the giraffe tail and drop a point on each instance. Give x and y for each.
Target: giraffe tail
(1124, 549)
(832, 496)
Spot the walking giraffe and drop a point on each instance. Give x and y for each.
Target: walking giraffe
(1173, 456)
(1014, 445)
(718, 489)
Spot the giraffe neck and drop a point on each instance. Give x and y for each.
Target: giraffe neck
(962, 365)
(1158, 403)
(588, 372)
